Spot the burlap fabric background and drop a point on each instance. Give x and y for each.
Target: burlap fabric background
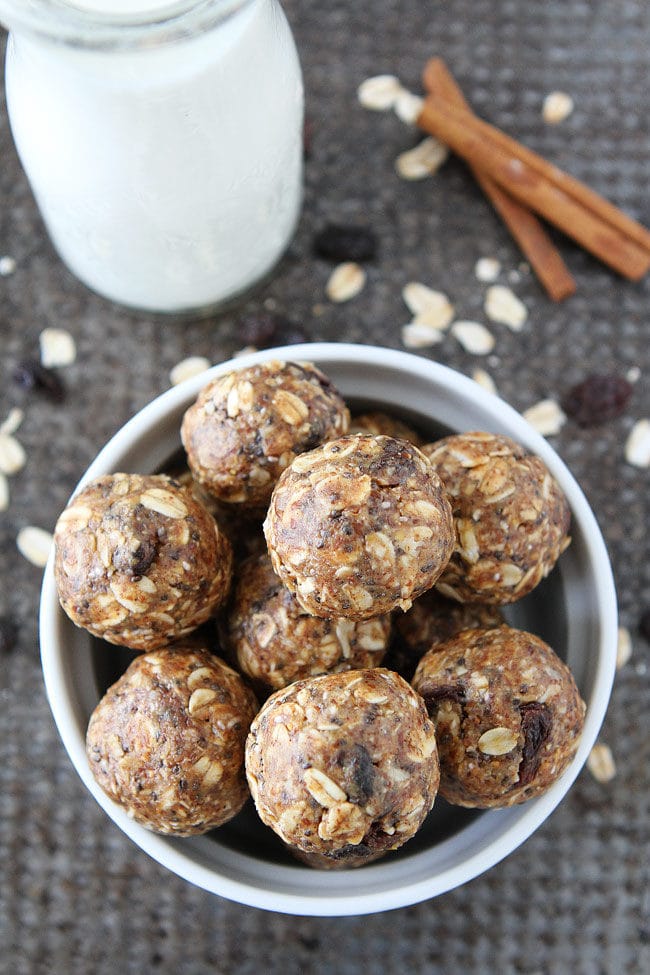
(76, 896)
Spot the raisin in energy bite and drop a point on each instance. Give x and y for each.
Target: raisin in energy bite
(511, 518)
(167, 741)
(507, 712)
(276, 642)
(359, 526)
(247, 426)
(343, 765)
(139, 561)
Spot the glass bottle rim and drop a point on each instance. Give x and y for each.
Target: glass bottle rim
(62, 22)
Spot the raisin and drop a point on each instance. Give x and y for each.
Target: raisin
(536, 727)
(376, 839)
(359, 770)
(644, 625)
(264, 329)
(597, 399)
(8, 635)
(435, 694)
(338, 243)
(32, 375)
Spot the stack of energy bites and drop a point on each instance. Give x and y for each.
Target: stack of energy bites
(323, 550)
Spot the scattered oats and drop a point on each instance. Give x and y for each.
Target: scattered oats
(637, 445)
(474, 337)
(547, 417)
(623, 647)
(420, 335)
(503, 306)
(428, 307)
(34, 544)
(633, 374)
(57, 348)
(7, 266)
(485, 380)
(345, 282)
(422, 161)
(379, 93)
(14, 418)
(557, 106)
(487, 269)
(408, 106)
(4, 493)
(194, 365)
(245, 351)
(12, 455)
(601, 763)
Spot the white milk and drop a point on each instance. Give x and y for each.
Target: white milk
(169, 177)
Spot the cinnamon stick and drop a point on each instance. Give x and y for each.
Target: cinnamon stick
(593, 222)
(542, 255)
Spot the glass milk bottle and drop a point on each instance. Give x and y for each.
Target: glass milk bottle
(162, 140)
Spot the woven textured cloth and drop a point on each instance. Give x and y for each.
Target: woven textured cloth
(75, 895)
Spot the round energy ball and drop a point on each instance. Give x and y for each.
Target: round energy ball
(139, 561)
(507, 712)
(247, 426)
(276, 642)
(510, 515)
(359, 526)
(343, 764)
(431, 621)
(379, 424)
(167, 741)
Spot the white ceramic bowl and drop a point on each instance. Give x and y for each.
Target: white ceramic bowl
(574, 610)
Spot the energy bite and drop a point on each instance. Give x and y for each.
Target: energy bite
(379, 424)
(247, 426)
(432, 620)
(276, 642)
(167, 741)
(344, 764)
(507, 712)
(359, 526)
(139, 561)
(511, 518)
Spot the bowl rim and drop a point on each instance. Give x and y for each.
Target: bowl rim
(58, 678)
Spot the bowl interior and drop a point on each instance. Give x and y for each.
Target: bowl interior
(573, 610)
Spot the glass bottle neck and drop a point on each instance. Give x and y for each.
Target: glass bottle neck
(115, 24)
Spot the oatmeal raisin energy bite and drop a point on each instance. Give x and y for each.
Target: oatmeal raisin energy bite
(248, 425)
(139, 561)
(359, 527)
